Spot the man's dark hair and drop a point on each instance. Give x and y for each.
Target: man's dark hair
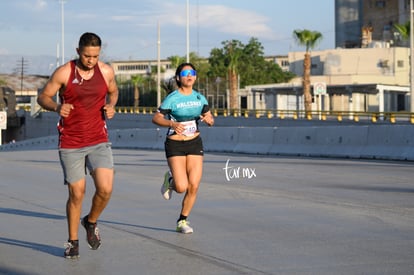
(89, 39)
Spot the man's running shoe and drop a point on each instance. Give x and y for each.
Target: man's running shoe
(183, 227)
(166, 188)
(72, 250)
(92, 233)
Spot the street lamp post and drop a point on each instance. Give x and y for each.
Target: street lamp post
(188, 32)
(218, 80)
(411, 57)
(62, 2)
(158, 67)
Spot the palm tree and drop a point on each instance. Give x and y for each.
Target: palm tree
(169, 85)
(404, 31)
(309, 39)
(234, 53)
(176, 60)
(136, 79)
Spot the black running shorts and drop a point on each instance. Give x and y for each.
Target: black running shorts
(175, 148)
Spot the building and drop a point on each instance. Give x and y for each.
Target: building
(25, 88)
(367, 72)
(125, 69)
(353, 17)
(281, 60)
(356, 80)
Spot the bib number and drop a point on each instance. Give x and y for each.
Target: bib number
(190, 128)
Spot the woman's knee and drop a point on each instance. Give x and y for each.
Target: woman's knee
(180, 187)
(193, 188)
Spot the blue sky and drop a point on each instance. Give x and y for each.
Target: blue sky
(128, 28)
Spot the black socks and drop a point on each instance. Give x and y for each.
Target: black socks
(182, 217)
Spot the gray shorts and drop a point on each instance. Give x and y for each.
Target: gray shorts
(75, 161)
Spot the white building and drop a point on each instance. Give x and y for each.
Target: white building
(358, 79)
(125, 69)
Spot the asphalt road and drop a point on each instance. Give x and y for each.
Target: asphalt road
(254, 215)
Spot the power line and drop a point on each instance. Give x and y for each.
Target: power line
(21, 69)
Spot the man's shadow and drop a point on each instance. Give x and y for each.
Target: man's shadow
(20, 212)
(49, 249)
(54, 250)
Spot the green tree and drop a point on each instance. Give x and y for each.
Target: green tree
(234, 52)
(203, 68)
(169, 85)
(252, 64)
(200, 63)
(244, 64)
(309, 39)
(234, 65)
(224, 63)
(176, 60)
(136, 80)
(404, 31)
(254, 69)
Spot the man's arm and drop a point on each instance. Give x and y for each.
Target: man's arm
(45, 99)
(112, 94)
(53, 85)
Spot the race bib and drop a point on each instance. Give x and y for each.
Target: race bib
(190, 128)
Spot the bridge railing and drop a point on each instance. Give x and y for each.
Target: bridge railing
(356, 116)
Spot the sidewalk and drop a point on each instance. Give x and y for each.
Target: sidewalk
(281, 216)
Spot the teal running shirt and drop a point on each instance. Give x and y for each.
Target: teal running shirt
(184, 108)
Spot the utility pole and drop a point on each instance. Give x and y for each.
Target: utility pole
(62, 11)
(411, 57)
(21, 69)
(188, 32)
(158, 66)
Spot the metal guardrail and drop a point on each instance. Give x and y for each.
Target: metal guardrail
(392, 117)
(374, 117)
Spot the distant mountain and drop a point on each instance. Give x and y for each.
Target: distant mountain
(31, 65)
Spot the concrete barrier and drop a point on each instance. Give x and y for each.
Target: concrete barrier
(389, 141)
(220, 139)
(346, 142)
(49, 142)
(294, 141)
(392, 142)
(135, 138)
(254, 140)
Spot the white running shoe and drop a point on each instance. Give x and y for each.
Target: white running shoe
(183, 227)
(166, 188)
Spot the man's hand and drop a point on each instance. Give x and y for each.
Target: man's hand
(109, 111)
(64, 109)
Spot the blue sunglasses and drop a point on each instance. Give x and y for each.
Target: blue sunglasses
(186, 73)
